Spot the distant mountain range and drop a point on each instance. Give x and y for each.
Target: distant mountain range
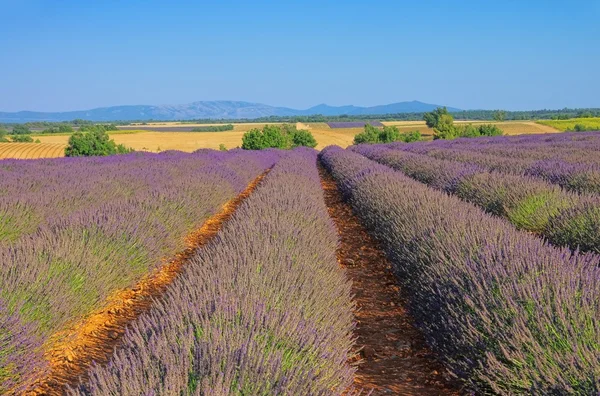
(211, 110)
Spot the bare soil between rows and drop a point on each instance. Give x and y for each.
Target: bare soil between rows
(95, 338)
(391, 354)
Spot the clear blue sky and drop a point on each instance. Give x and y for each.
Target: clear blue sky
(60, 55)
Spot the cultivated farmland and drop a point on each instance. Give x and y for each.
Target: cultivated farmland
(158, 137)
(467, 266)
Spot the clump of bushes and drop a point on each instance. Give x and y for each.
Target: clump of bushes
(443, 126)
(21, 139)
(3, 134)
(214, 128)
(388, 134)
(285, 136)
(59, 129)
(20, 130)
(94, 143)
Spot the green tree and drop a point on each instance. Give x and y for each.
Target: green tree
(277, 136)
(468, 131)
(370, 135)
(445, 128)
(433, 118)
(411, 136)
(490, 130)
(21, 139)
(389, 134)
(20, 130)
(499, 115)
(3, 134)
(302, 137)
(94, 143)
(65, 129)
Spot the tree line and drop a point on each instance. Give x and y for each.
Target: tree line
(463, 115)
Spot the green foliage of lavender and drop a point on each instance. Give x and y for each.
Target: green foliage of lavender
(508, 313)
(264, 309)
(72, 230)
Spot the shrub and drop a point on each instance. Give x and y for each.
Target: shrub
(387, 134)
(94, 143)
(434, 118)
(3, 134)
(370, 135)
(489, 130)
(221, 147)
(304, 138)
(20, 130)
(411, 136)
(277, 136)
(21, 139)
(445, 128)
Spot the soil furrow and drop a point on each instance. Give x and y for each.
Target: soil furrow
(391, 354)
(94, 339)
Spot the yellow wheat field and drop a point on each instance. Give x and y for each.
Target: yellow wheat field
(32, 150)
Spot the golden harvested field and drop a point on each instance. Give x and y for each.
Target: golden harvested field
(53, 145)
(31, 150)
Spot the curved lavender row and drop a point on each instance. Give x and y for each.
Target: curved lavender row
(505, 311)
(78, 229)
(564, 218)
(264, 309)
(572, 164)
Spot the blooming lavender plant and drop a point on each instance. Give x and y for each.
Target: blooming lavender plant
(74, 230)
(507, 313)
(527, 202)
(264, 309)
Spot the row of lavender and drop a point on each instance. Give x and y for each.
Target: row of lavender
(264, 309)
(571, 161)
(564, 218)
(507, 312)
(72, 231)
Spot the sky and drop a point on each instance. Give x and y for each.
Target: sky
(60, 55)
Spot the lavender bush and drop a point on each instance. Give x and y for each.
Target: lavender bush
(264, 309)
(507, 313)
(72, 231)
(527, 202)
(571, 161)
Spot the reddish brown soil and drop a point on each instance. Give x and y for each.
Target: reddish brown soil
(391, 354)
(94, 339)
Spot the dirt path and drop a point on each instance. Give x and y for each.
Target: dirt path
(394, 358)
(94, 339)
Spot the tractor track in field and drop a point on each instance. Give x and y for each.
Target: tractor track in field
(94, 339)
(390, 352)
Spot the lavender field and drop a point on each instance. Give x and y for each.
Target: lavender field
(493, 243)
